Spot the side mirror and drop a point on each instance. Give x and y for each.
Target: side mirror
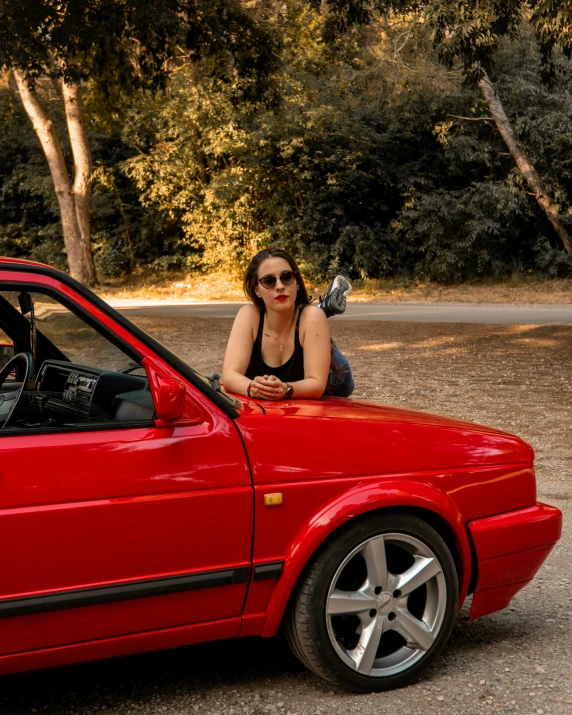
(169, 399)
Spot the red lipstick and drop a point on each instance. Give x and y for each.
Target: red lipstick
(281, 297)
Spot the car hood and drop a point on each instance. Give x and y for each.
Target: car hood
(344, 409)
(306, 439)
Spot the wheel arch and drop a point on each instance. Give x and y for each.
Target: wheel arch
(443, 528)
(421, 500)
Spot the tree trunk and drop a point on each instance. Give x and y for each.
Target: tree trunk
(82, 172)
(79, 254)
(523, 160)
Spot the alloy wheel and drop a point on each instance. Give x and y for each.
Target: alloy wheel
(386, 604)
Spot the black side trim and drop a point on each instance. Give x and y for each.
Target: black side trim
(269, 570)
(186, 370)
(121, 592)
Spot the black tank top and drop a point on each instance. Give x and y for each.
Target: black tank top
(291, 371)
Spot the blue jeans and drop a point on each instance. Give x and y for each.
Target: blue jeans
(340, 380)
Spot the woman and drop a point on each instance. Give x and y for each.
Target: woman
(280, 346)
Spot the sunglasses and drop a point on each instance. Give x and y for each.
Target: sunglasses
(269, 281)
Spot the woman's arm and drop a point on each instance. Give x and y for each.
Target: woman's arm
(315, 339)
(239, 350)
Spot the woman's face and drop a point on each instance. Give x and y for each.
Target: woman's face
(281, 297)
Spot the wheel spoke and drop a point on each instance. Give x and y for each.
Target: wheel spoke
(364, 653)
(415, 632)
(348, 602)
(375, 560)
(422, 571)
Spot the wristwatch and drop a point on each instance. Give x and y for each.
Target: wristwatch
(289, 391)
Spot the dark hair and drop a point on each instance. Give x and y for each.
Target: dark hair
(251, 276)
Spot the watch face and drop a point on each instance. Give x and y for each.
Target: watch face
(289, 392)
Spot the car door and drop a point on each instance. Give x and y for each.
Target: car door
(117, 528)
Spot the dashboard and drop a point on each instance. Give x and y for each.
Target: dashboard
(66, 394)
(70, 385)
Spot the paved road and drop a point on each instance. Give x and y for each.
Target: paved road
(413, 312)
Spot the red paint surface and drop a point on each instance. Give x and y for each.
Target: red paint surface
(511, 568)
(89, 509)
(516, 531)
(485, 602)
(510, 548)
(124, 645)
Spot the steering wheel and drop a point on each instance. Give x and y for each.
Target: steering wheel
(9, 400)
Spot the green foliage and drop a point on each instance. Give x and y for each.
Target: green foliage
(458, 234)
(308, 174)
(360, 157)
(126, 45)
(360, 168)
(90, 39)
(551, 20)
(465, 32)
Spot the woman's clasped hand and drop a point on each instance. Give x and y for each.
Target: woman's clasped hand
(268, 387)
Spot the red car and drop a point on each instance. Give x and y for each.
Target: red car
(142, 508)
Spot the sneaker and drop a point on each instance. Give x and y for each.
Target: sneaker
(334, 302)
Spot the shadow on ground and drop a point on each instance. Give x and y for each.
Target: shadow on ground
(251, 665)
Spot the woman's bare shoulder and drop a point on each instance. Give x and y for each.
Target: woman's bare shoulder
(313, 314)
(247, 319)
(249, 312)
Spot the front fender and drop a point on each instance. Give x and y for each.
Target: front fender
(360, 500)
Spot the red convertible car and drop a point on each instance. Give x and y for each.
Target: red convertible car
(143, 508)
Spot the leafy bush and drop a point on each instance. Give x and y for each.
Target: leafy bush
(368, 163)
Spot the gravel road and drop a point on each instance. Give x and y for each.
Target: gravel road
(516, 661)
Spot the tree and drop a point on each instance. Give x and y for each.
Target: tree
(73, 194)
(308, 174)
(470, 33)
(467, 32)
(114, 48)
(376, 159)
(358, 167)
(523, 161)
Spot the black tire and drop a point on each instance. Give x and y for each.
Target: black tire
(322, 645)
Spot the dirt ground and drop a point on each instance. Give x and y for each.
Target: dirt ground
(516, 661)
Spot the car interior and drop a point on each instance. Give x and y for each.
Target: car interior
(60, 373)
